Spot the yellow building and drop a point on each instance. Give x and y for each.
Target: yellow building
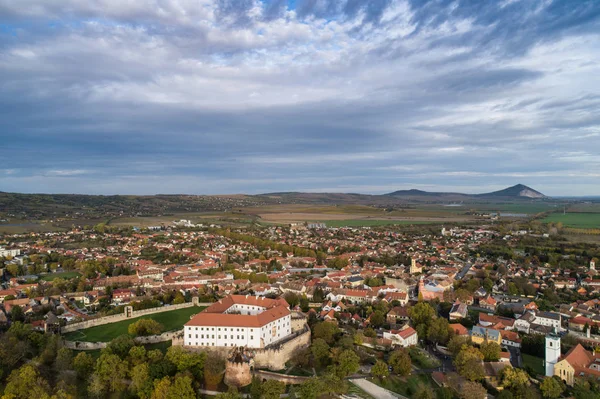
(480, 335)
(578, 362)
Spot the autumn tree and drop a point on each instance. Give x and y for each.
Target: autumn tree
(491, 351)
(400, 362)
(144, 327)
(347, 363)
(380, 370)
(468, 363)
(472, 390)
(552, 388)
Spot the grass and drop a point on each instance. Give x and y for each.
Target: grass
(405, 386)
(374, 222)
(536, 363)
(576, 220)
(171, 320)
(358, 392)
(423, 359)
(63, 275)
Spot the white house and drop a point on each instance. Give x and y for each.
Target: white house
(406, 337)
(240, 320)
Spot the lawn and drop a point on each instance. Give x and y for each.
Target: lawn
(422, 359)
(405, 386)
(63, 275)
(373, 222)
(576, 220)
(171, 320)
(536, 363)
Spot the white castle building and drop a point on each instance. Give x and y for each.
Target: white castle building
(240, 320)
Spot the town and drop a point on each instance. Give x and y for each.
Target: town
(302, 310)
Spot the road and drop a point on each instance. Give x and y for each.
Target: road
(375, 390)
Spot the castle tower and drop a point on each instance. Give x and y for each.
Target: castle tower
(552, 353)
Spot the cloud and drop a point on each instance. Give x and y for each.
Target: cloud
(250, 96)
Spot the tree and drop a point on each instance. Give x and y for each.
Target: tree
(231, 394)
(110, 372)
(16, 314)
(120, 346)
(272, 389)
(421, 313)
(83, 364)
(140, 381)
(439, 331)
(180, 387)
(491, 351)
(320, 352)
(327, 331)
(514, 379)
(472, 390)
(400, 362)
(184, 360)
(456, 343)
(423, 392)
(213, 372)
(380, 370)
(144, 327)
(377, 318)
(64, 359)
(468, 363)
(347, 363)
(26, 383)
(310, 389)
(291, 298)
(552, 388)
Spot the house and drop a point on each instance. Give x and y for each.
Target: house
(549, 319)
(401, 297)
(480, 335)
(459, 329)
(458, 311)
(404, 338)
(523, 323)
(578, 362)
(488, 303)
(398, 314)
(510, 338)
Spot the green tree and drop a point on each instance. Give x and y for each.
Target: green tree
(347, 363)
(552, 388)
(144, 327)
(110, 372)
(26, 383)
(83, 364)
(272, 389)
(456, 343)
(121, 346)
(327, 331)
(291, 298)
(140, 381)
(310, 389)
(184, 360)
(439, 331)
(469, 364)
(320, 352)
(421, 313)
(380, 370)
(64, 359)
(400, 362)
(16, 314)
(423, 392)
(491, 351)
(377, 318)
(213, 372)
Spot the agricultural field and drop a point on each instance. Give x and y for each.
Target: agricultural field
(575, 220)
(64, 275)
(205, 218)
(170, 320)
(374, 222)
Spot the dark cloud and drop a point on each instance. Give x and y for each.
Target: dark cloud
(242, 96)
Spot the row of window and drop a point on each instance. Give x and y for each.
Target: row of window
(219, 337)
(218, 329)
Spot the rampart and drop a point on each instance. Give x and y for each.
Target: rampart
(127, 314)
(174, 336)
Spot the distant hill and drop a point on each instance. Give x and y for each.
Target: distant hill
(519, 191)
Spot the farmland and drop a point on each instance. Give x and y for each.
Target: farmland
(170, 320)
(575, 220)
(374, 222)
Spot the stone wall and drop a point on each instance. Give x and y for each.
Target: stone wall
(287, 379)
(238, 374)
(151, 339)
(120, 317)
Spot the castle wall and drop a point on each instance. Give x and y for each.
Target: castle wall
(120, 317)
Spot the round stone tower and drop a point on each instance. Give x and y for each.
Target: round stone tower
(238, 368)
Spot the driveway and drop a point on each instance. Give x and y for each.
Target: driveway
(375, 390)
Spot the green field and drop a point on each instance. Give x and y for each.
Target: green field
(171, 320)
(64, 275)
(405, 386)
(575, 220)
(374, 222)
(536, 363)
(529, 208)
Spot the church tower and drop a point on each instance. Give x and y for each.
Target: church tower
(593, 264)
(552, 353)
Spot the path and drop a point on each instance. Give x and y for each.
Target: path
(375, 390)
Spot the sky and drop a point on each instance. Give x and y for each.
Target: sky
(249, 96)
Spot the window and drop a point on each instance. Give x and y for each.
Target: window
(190, 336)
(196, 336)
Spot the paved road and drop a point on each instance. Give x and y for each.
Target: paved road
(375, 390)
